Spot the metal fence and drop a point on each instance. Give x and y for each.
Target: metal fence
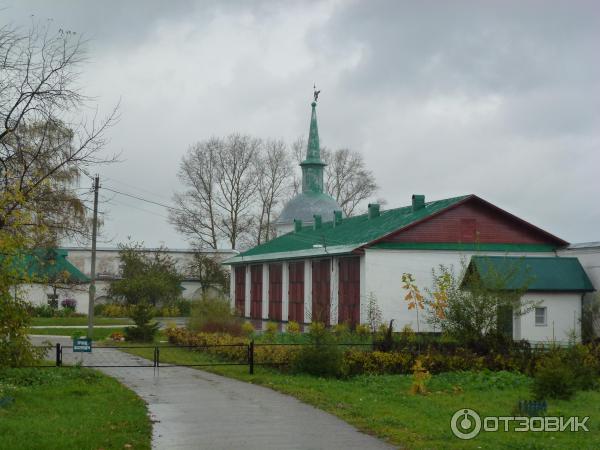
(112, 356)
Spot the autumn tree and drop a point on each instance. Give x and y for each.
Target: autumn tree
(45, 143)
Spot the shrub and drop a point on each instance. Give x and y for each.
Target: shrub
(420, 378)
(69, 303)
(341, 331)
(553, 379)
(247, 328)
(115, 310)
(362, 330)
(212, 315)
(293, 327)
(99, 309)
(117, 336)
(170, 311)
(271, 330)
(145, 330)
(321, 357)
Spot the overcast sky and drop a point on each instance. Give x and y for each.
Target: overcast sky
(498, 99)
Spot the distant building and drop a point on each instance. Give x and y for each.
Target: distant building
(79, 260)
(328, 268)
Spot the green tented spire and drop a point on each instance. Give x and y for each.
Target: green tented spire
(312, 166)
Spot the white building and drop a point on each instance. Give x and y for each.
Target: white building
(327, 271)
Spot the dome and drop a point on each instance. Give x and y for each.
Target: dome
(307, 204)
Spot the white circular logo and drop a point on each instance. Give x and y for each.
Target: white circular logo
(465, 424)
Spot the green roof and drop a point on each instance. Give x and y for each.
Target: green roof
(350, 234)
(537, 273)
(43, 265)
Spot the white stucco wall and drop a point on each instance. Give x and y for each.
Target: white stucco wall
(383, 277)
(563, 317)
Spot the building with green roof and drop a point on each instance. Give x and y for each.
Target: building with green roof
(327, 267)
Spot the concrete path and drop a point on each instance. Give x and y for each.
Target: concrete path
(193, 409)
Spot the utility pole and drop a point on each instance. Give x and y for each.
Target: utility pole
(90, 331)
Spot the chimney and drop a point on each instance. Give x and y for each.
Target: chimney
(318, 221)
(373, 210)
(297, 225)
(337, 218)
(418, 202)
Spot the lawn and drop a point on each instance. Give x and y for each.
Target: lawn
(68, 321)
(99, 333)
(70, 408)
(381, 405)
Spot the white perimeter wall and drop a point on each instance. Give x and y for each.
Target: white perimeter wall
(36, 294)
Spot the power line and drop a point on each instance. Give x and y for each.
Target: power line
(142, 199)
(137, 188)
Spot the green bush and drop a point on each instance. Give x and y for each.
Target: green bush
(213, 315)
(145, 330)
(99, 309)
(554, 379)
(321, 357)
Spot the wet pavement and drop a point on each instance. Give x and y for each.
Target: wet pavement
(193, 409)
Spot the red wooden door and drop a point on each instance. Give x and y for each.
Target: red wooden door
(240, 290)
(275, 280)
(321, 293)
(256, 292)
(296, 292)
(349, 291)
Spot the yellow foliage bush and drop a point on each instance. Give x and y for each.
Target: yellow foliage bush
(247, 328)
(293, 327)
(113, 310)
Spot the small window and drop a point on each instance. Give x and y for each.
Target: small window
(540, 316)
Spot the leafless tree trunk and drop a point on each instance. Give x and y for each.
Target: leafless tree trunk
(274, 170)
(237, 185)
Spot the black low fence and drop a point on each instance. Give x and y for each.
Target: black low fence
(113, 356)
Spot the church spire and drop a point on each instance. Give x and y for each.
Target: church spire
(312, 166)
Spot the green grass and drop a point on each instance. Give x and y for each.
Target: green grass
(99, 333)
(381, 405)
(70, 408)
(67, 321)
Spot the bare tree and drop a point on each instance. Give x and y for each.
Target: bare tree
(196, 216)
(274, 170)
(347, 179)
(220, 201)
(43, 148)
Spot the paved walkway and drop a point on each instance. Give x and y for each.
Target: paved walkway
(193, 409)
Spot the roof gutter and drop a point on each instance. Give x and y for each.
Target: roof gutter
(307, 253)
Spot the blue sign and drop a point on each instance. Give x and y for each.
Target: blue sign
(82, 345)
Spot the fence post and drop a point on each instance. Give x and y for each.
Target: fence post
(58, 355)
(157, 357)
(251, 356)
